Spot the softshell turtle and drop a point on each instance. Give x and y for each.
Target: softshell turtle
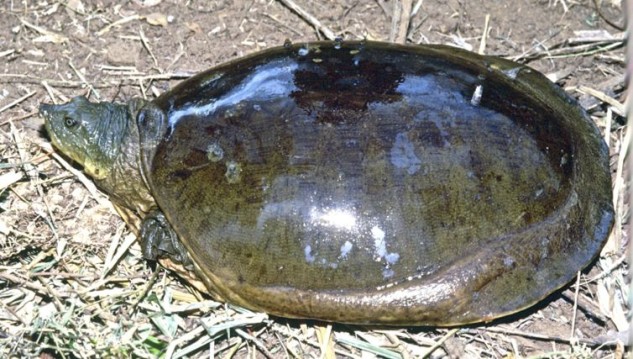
(357, 182)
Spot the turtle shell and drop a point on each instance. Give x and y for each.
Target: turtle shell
(367, 182)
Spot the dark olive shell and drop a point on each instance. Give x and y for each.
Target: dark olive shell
(377, 183)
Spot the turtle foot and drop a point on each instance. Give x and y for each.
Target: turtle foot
(159, 241)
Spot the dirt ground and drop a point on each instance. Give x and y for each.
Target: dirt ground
(72, 281)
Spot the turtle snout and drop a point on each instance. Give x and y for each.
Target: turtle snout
(45, 109)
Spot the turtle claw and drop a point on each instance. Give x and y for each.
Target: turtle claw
(159, 240)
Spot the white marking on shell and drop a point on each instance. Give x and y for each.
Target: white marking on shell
(403, 154)
(215, 152)
(233, 172)
(392, 258)
(345, 249)
(388, 273)
(379, 242)
(476, 99)
(308, 254)
(380, 246)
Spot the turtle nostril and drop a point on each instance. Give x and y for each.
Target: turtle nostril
(44, 109)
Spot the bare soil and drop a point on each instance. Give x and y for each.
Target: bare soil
(72, 281)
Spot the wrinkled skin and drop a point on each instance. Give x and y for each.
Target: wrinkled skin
(103, 139)
(357, 182)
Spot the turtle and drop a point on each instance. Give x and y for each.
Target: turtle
(355, 181)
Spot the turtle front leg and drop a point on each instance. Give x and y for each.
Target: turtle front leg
(159, 240)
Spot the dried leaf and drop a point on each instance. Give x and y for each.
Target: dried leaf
(618, 316)
(590, 35)
(9, 178)
(76, 6)
(36, 53)
(604, 302)
(193, 27)
(47, 36)
(51, 10)
(148, 3)
(156, 19)
(60, 245)
(4, 229)
(50, 38)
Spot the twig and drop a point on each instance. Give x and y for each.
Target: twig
(245, 13)
(13, 313)
(595, 3)
(484, 37)
(47, 36)
(121, 69)
(400, 21)
(49, 90)
(615, 104)
(49, 291)
(282, 24)
(416, 8)
(326, 337)
(329, 34)
(575, 310)
(607, 272)
(585, 305)
(212, 327)
(440, 342)
(24, 283)
(32, 172)
(9, 178)
(147, 47)
(19, 118)
(405, 21)
(562, 2)
(257, 342)
(395, 19)
(83, 79)
(509, 331)
(525, 55)
(90, 186)
(168, 76)
(26, 79)
(383, 6)
(118, 22)
(302, 339)
(112, 260)
(619, 186)
(6, 52)
(147, 287)
(17, 101)
(584, 37)
(128, 81)
(607, 126)
(582, 50)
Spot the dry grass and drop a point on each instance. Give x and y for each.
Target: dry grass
(72, 280)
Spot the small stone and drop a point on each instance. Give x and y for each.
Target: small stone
(122, 53)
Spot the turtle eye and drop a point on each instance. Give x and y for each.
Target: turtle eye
(70, 122)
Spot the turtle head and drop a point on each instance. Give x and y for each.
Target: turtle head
(89, 133)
